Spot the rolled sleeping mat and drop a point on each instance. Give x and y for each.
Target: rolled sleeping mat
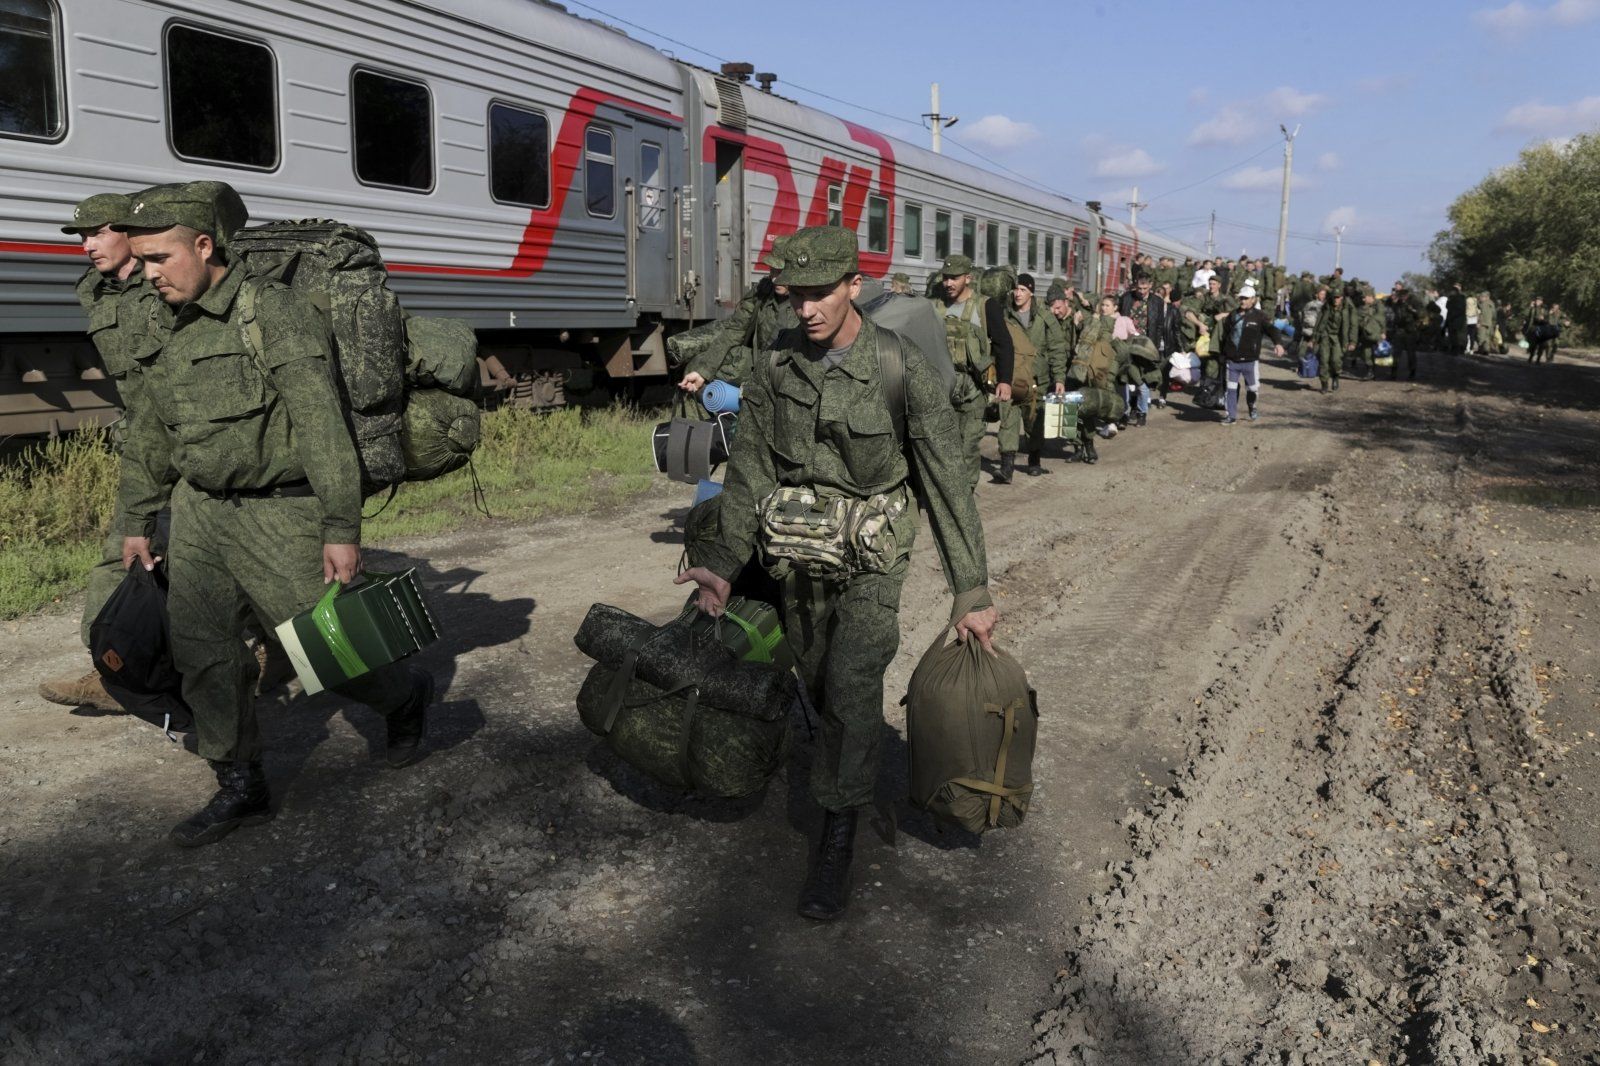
(720, 396)
(670, 657)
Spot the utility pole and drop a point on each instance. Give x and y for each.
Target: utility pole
(938, 122)
(1211, 237)
(1134, 207)
(1338, 247)
(1283, 209)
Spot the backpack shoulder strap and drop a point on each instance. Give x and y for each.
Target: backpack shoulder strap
(249, 326)
(892, 369)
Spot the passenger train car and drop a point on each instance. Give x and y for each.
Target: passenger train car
(575, 194)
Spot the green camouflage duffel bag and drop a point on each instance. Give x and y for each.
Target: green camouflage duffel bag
(439, 433)
(971, 724)
(674, 703)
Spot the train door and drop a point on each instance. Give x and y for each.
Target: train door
(650, 196)
(730, 214)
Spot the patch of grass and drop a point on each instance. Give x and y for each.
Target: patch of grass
(530, 466)
(56, 500)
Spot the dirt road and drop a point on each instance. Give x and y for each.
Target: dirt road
(1317, 777)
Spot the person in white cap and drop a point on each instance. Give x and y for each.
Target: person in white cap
(1242, 333)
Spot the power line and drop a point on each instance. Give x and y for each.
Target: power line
(1324, 239)
(1218, 174)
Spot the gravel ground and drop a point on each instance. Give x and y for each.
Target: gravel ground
(1317, 776)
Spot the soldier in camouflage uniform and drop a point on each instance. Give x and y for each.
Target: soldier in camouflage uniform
(1023, 418)
(1370, 329)
(721, 351)
(980, 348)
(1215, 307)
(816, 419)
(1405, 323)
(1334, 335)
(264, 482)
(117, 300)
(1100, 370)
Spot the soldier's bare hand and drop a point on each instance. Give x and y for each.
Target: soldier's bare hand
(341, 562)
(1061, 389)
(714, 591)
(1002, 392)
(692, 382)
(138, 548)
(979, 624)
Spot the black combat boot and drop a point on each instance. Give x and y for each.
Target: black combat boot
(241, 799)
(1335, 384)
(1008, 466)
(1088, 452)
(1036, 464)
(827, 888)
(408, 724)
(1142, 417)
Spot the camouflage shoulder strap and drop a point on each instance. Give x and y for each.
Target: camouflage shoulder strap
(255, 341)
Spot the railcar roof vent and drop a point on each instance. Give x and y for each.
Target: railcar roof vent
(738, 71)
(730, 104)
(765, 81)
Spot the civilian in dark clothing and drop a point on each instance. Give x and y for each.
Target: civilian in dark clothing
(1242, 333)
(1455, 320)
(1149, 314)
(1172, 340)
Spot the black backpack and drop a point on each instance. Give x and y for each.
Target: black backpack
(131, 642)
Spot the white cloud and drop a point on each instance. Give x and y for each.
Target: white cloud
(1328, 161)
(1121, 161)
(1339, 216)
(1256, 179)
(1384, 84)
(1228, 126)
(999, 132)
(1243, 121)
(1518, 17)
(1553, 119)
(1287, 102)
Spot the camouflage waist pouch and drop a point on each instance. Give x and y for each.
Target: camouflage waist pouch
(831, 536)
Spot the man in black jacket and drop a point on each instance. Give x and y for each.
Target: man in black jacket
(1455, 320)
(1149, 314)
(1242, 332)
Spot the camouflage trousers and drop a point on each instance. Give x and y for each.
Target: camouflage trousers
(225, 558)
(1332, 362)
(844, 635)
(969, 404)
(1022, 422)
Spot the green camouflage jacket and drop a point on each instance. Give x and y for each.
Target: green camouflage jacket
(832, 430)
(223, 421)
(1049, 340)
(1336, 326)
(119, 314)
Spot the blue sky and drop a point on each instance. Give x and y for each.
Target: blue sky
(1402, 105)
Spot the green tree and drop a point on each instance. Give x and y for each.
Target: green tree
(1531, 229)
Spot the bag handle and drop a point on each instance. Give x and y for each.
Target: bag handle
(327, 619)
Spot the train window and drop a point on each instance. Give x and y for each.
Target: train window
(652, 186)
(941, 235)
(222, 100)
(912, 228)
(393, 131)
(877, 224)
(836, 205)
(1033, 250)
(599, 172)
(969, 237)
(1012, 242)
(30, 69)
(1049, 253)
(519, 156)
(991, 244)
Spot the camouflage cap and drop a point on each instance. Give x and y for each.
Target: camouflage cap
(210, 207)
(956, 266)
(98, 210)
(818, 255)
(774, 256)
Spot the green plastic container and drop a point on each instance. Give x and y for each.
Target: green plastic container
(355, 629)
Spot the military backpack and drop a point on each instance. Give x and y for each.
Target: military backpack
(378, 349)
